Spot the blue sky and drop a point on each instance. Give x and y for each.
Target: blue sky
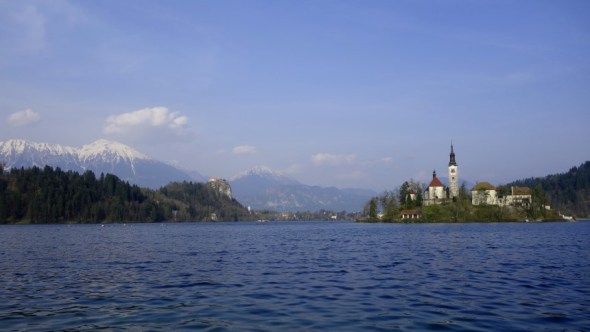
(335, 93)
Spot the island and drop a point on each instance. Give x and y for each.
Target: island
(414, 202)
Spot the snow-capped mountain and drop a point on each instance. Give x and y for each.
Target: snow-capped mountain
(109, 151)
(261, 177)
(262, 188)
(101, 156)
(17, 153)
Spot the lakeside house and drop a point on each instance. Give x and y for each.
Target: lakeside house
(483, 193)
(410, 214)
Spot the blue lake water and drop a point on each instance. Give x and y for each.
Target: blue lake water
(295, 276)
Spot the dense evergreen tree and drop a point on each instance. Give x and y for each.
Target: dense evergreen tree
(50, 195)
(201, 202)
(568, 192)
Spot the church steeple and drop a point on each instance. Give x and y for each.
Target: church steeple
(453, 175)
(452, 161)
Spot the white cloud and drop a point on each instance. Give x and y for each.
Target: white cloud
(155, 117)
(23, 118)
(153, 125)
(244, 149)
(333, 159)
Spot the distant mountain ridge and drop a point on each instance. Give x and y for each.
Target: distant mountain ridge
(102, 156)
(264, 189)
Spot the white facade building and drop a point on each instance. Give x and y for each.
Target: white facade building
(453, 175)
(435, 192)
(484, 194)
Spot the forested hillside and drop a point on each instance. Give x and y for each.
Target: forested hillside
(53, 196)
(198, 201)
(568, 192)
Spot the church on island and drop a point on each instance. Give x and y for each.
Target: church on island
(483, 193)
(436, 192)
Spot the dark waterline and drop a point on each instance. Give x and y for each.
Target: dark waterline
(296, 276)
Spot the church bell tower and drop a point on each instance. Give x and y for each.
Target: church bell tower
(453, 175)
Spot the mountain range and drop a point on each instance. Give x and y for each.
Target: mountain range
(264, 189)
(260, 188)
(99, 157)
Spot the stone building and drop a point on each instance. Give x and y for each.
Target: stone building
(483, 193)
(221, 186)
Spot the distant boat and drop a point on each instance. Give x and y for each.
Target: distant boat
(568, 218)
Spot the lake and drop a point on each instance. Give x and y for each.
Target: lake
(313, 276)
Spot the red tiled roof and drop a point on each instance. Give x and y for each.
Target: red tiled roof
(435, 182)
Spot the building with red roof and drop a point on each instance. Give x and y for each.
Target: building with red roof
(435, 192)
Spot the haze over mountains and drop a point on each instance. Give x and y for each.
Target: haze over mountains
(264, 189)
(101, 156)
(260, 188)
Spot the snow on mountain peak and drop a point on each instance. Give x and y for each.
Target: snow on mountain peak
(268, 173)
(100, 157)
(258, 170)
(104, 149)
(18, 146)
(40, 154)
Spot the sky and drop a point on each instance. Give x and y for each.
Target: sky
(351, 94)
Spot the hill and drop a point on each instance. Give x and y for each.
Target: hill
(50, 195)
(567, 192)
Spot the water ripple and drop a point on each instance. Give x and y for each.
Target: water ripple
(296, 276)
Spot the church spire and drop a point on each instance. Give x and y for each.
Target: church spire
(453, 175)
(452, 161)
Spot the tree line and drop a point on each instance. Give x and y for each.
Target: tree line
(568, 192)
(48, 195)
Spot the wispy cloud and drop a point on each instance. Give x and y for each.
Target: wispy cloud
(32, 23)
(332, 159)
(23, 118)
(244, 149)
(23, 28)
(27, 25)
